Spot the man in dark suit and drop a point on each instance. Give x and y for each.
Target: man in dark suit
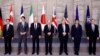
(22, 29)
(76, 34)
(92, 35)
(8, 34)
(48, 31)
(35, 32)
(63, 31)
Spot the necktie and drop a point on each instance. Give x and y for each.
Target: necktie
(7, 27)
(49, 27)
(23, 24)
(35, 26)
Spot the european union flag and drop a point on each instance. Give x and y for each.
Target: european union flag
(88, 15)
(77, 15)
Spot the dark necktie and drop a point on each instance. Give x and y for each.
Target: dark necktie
(7, 27)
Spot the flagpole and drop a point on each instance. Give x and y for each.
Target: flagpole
(56, 19)
(74, 9)
(13, 8)
(91, 10)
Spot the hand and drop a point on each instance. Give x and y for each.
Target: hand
(31, 36)
(21, 33)
(12, 38)
(64, 33)
(24, 33)
(39, 36)
(72, 38)
(87, 38)
(97, 38)
(2, 37)
(49, 33)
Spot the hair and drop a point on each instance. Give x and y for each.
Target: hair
(23, 17)
(8, 19)
(63, 19)
(91, 19)
(76, 20)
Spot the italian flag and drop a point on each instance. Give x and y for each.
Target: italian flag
(31, 16)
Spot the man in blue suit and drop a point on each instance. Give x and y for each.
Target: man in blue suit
(8, 34)
(22, 29)
(76, 34)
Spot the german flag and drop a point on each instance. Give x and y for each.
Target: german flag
(1, 23)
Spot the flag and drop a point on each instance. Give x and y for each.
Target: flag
(66, 15)
(1, 23)
(77, 14)
(31, 16)
(87, 23)
(54, 21)
(22, 12)
(11, 18)
(88, 15)
(43, 18)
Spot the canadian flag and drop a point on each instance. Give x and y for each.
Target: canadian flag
(43, 18)
(11, 15)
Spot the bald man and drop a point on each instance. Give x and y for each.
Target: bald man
(48, 30)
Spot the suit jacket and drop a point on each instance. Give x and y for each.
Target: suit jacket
(76, 32)
(9, 32)
(21, 28)
(60, 30)
(90, 33)
(46, 30)
(35, 32)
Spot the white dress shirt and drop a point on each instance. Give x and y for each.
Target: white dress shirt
(49, 26)
(93, 27)
(64, 28)
(7, 26)
(23, 23)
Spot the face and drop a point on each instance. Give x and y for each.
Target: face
(92, 21)
(35, 20)
(7, 21)
(77, 22)
(22, 19)
(49, 22)
(63, 21)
